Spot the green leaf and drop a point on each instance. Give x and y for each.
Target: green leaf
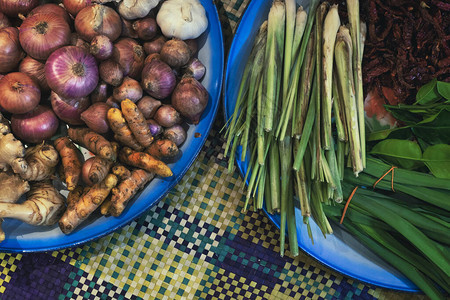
(444, 89)
(437, 159)
(436, 129)
(395, 133)
(401, 153)
(428, 93)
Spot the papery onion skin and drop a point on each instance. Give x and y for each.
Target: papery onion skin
(190, 99)
(71, 72)
(111, 72)
(167, 116)
(146, 28)
(176, 134)
(69, 110)
(43, 33)
(10, 50)
(154, 127)
(85, 171)
(158, 80)
(175, 53)
(35, 126)
(130, 55)
(127, 29)
(36, 70)
(129, 89)
(193, 45)
(76, 40)
(148, 106)
(155, 45)
(195, 68)
(54, 9)
(20, 93)
(101, 47)
(95, 117)
(4, 21)
(13, 8)
(98, 20)
(100, 93)
(74, 6)
(112, 102)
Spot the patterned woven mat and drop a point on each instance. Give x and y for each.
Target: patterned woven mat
(195, 244)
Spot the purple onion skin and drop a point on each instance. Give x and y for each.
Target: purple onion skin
(130, 55)
(35, 69)
(101, 92)
(36, 126)
(175, 53)
(52, 8)
(155, 45)
(112, 102)
(195, 68)
(71, 72)
(10, 50)
(146, 28)
(101, 47)
(167, 116)
(98, 19)
(12, 8)
(148, 106)
(193, 46)
(176, 134)
(190, 99)
(111, 72)
(95, 117)
(127, 29)
(158, 80)
(4, 21)
(129, 89)
(69, 110)
(154, 127)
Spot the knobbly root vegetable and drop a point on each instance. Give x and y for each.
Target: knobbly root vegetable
(121, 172)
(106, 205)
(144, 161)
(70, 158)
(92, 141)
(12, 187)
(78, 211)
(44, 206)
(163, 149)
(74, 194)
(122, 131)
(136, 122)
(42, 160)
(100, 167)
(127, 189)
(12, 152)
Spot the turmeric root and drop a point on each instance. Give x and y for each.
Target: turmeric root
(163, 149)
(144, 161)
(75, 194)
(137, 123)
(70, 157)
(105, 207)
(100, 167)
(78, 211)
(122, 132)
(43, 206)
(121, 172)
(12, 187)
(127, 189)
(12, 152)
(42, 160)
(92, 141)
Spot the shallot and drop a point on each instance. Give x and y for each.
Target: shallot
(190, 98)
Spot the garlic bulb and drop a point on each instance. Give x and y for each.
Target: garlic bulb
(135, 9)
(183, 19)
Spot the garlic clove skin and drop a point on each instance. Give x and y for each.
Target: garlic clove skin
(136, 9)
(182, 19)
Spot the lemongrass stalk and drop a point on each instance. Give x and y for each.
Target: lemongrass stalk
(307, 72)
(355, 33)
(285, 151)
(330, 28)
(300, 25)
(363, 33)
(267, 192)
(251, 183)
(288, 44)
(340, 158)
(326, 170)
(343, 58)
(335, 173)
(274, 167)
(312, 151)
(261, 188)
(317, 210)
(338, 112)
(259, 123)
(302, 194)
(291, 220)
(274, 50)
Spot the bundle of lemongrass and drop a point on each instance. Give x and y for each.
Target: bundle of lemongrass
(283, 114)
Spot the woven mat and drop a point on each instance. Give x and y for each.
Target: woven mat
(195, 244)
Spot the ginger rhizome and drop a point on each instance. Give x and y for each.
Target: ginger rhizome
(71, 161)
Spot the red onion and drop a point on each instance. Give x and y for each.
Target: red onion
(175, 53)
(76, 40)
(193, 46)
(190, 98)
(100, 93)
(10, 50)
(52, 8)
(98, 20)
(158, 79)
(112, 102)
(146, 28)
(128, 30)
(151, 57)
(130, 56)
(13, 8)
(176, 134)
(101, 47)
(111, 72)
(95, 117)
(154, 127)
(85, 171)
(20, 94)
(71, 72)
(41, 34)
(35, 69)
(74, 6)
(167, 116)
(148, 106)
(155, 45)
(129, 89)
(195, 68)
(69, 110)
(4, 21)
(36, 126)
